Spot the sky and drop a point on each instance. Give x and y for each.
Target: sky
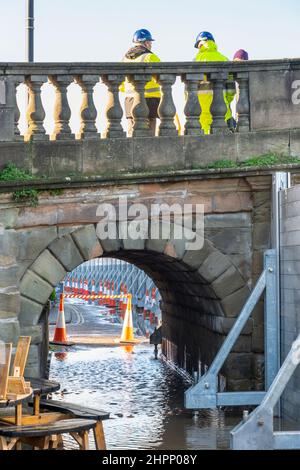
(100, 31)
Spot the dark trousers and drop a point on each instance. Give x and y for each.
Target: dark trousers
(152, 104)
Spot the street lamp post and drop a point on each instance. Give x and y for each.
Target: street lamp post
(30, 31)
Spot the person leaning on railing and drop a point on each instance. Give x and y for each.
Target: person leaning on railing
(141, 52)
(208, 52)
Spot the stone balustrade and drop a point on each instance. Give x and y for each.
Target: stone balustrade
(265, 98)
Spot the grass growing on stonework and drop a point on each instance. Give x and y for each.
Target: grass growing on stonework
(12, 173)
(256, 161)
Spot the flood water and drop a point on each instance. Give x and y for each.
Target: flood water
(144, 397)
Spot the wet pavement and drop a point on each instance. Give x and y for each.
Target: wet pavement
(143, 395)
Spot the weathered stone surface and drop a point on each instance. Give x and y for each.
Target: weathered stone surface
(163, 153)
(87, 242)
(8, 217)
(214, 265)
(32, 243)
(229, 282)
(33, 362)
(30, 312)
(234, 303)
(9, 330)
(8, 272)
(35, 288)
(261, 235)
(66, 251)
(239, 220)
(35, 332)
(133, 234)
(9, 302)
(258, 340)
(48, 268)
(200, 155)
(195, 258)
(107, 156)
(238, 365)
(231, 240)
(57, 158)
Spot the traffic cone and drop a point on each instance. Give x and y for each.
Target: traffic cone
(127, 331)
(60, 333)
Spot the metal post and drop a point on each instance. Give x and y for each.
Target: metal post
(30, 31)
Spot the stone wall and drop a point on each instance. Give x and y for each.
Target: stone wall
(290, 292)
(203, 291)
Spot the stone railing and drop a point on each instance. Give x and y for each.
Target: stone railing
(267, 98)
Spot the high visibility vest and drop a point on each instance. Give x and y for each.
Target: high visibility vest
(152, 88)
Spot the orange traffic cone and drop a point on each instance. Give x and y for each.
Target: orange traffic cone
(60, 333)
(127, 331)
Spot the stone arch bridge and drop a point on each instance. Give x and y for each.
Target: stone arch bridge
(202, 290)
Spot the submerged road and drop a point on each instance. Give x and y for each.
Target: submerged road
(143, 395)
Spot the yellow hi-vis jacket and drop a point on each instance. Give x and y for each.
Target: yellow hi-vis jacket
(152, 88)
(209, 53)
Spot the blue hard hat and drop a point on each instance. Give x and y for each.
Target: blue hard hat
(204, 36)
(142, 35)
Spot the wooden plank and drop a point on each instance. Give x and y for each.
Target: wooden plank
(76, 410)
(18, 414)
(31, 420)
(5, 358)
(99, 436)
(21, 356)
(16, 385)
(58, 427)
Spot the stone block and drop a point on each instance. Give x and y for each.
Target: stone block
(9, 302)
(67, 253)
(231, 240)
(214, 265)
(253, 144)
(32, 243)
(261, 235)
(87, 242)
(9, 217)
(9, 330)
(238, 365)
(33, 362)
(195, 258)
(48, 268)
(258, 340)
(8, 272)
(57, 158)
(221, 221)
(233, 304)
(30, 312)
(203, 150)
(228, 282)
(107, 156)
(35, 332)
(35, 288)
(133, 234)
(163, 153)
(295, 142)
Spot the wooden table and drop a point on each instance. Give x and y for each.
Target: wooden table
(41, 387)
(18, 405)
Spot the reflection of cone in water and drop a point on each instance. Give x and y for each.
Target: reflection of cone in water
(60, 333)
(61, 356)
(128, 348)
(127, 331)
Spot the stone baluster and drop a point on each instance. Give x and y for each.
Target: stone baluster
(35, 111)
(13, 83)
(166, 109)
(62, 111)
(192, 108)
(88, 111)
(243, 104)
(114, 111)
(218, 108)
(140, 110)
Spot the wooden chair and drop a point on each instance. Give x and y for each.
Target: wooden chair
(16, 383)
(5, 358)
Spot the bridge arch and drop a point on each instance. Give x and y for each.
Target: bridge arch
(202, 292)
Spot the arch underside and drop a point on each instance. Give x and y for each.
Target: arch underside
(202, 292)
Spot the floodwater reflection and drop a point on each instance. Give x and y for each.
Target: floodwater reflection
(144, 397)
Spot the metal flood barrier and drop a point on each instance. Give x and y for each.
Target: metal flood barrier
(205, 393)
